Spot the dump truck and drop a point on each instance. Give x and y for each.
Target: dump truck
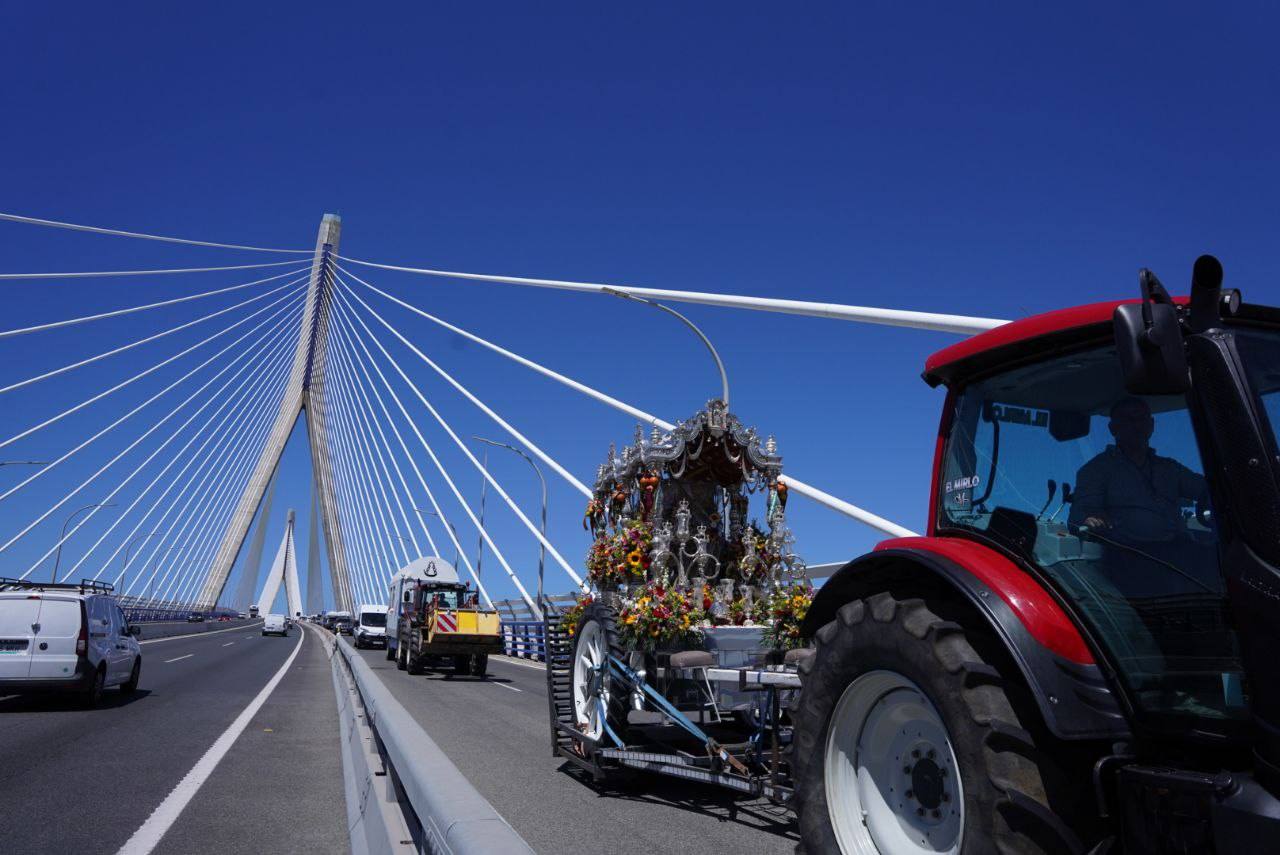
(440, 625)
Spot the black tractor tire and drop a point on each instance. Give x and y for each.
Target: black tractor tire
(92, 698)
(619, 696)
(130, 686)
(461, 664)
(402, 657)
(391, 653)
(414, 664)
(1005, 776)
(479, 664)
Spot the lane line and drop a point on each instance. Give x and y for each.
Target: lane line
(524, 663)
(228, 644)
(188, 635)
(505, 686)
(145, 839)
(179, 659)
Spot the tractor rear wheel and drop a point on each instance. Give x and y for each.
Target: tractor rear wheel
(906, 742)
(479, 664)
(402, 657)
(598, 698)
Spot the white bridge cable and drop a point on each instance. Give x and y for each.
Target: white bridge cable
(235, 439)
(105, 354)
(358, 441)
(96, 274)
(215, 508)
(962, 324)
(199, 514)
(124, 383)
(127, 415)
(228, 433)
(36, 221)
(555, 554)
(369, 361)
(127, 449)
(365, 407)
(356, 479)
(813, 493)
(118, 312)
(221, 394)
(233, 407)
(484, 534)
(354, 359)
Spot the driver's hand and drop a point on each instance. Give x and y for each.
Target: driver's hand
(1096, 522)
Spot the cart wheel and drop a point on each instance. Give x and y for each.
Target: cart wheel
(906, 742)
(479, 664)
(597, 697)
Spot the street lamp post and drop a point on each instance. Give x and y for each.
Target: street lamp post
(155, 565)
(542, 547)
(724, 378)
(129, 546)
(456, 541)
(24, 462)
(58, 557)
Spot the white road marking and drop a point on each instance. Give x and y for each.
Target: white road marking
(505, 686)
(179, 659)
(189, 635)
(228, 644)
(145, 839)
(524, 663)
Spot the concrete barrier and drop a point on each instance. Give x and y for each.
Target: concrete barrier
(449, 813)
(169, 629)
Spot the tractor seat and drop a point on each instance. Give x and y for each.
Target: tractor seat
(692, 659)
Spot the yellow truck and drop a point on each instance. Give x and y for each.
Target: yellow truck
(441, 625)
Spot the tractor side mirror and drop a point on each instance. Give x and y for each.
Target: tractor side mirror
(1149, 342)
(407, 596)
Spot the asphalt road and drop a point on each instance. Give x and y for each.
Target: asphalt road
(75, 780)
(497, 732)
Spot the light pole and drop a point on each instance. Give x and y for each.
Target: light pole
(542, 547)
(456, 541)
(129, 546)
(151, 583)
(24, 462)
(58, 557)
(724, 378)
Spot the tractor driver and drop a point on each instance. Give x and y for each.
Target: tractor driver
(1132, 495)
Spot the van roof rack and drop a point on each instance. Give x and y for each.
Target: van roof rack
(83, 586)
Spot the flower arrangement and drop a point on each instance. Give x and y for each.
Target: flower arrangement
(659, 615)
(788, 607)
(621, 556)
(573, 614)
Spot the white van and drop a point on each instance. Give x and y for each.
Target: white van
(65, 637)
(371, 626)
(275, 625)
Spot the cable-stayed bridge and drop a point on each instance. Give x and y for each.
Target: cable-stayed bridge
(152, 482)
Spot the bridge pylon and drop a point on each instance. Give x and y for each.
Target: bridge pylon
(304, 395)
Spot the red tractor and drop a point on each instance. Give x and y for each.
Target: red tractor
(1083, 654)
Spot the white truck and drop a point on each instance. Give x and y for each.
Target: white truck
(371, 626)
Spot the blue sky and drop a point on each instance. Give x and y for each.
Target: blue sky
(987, 160)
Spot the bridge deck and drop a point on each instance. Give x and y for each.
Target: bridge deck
(496, 732)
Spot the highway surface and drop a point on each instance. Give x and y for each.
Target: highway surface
(496, 731)
(90, 781)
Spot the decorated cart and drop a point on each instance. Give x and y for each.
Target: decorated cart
(680, 658)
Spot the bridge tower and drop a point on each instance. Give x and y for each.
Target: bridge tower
(304, 396)
(283, 569)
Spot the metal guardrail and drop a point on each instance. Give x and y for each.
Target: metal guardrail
(452, 815)
(524, 639)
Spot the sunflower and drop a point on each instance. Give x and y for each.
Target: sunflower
(634, 557)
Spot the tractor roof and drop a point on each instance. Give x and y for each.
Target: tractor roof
(1032, 336)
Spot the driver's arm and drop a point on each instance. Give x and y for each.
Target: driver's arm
(1089, 501)
(1192, 485)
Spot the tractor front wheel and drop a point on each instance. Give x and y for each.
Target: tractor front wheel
(906, 742)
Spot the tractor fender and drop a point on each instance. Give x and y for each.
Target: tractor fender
(1055, 662)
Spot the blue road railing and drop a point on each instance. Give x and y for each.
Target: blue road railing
(524, 639)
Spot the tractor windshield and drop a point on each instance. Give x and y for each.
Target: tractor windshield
(1104, 492)
(1260, 351)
